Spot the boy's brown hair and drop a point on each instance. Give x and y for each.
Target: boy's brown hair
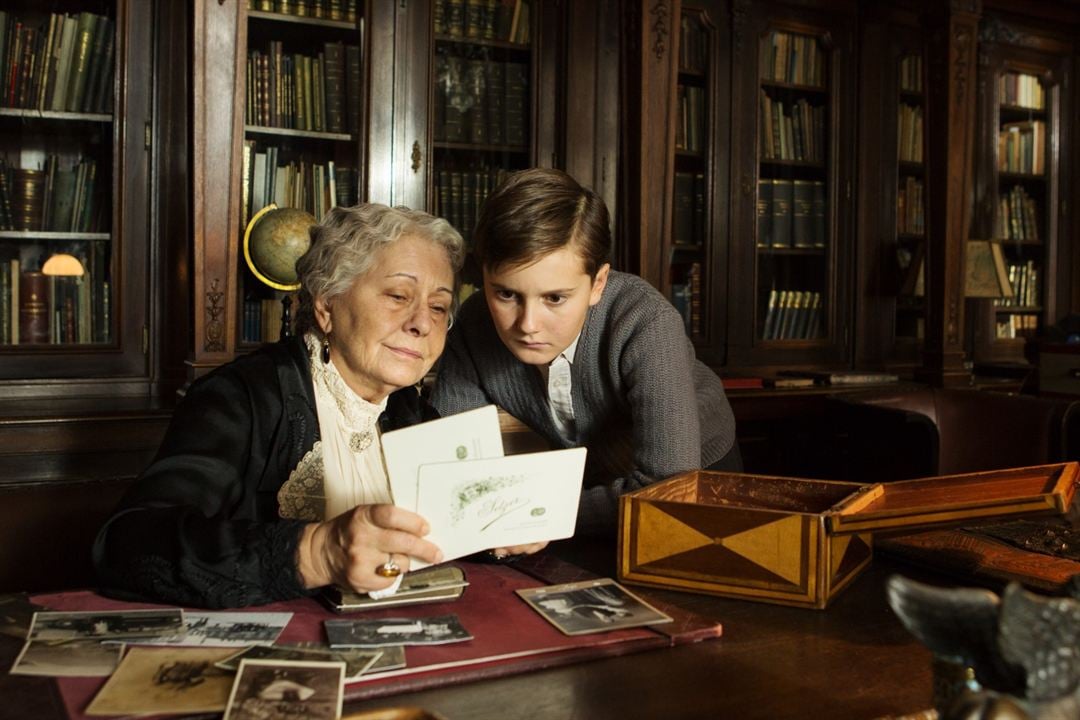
(535, 212)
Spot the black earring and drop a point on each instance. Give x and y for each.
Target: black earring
(326, 350)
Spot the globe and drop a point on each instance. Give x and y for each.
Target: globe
(273, 242)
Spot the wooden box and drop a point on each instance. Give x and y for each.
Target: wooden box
(800, 542)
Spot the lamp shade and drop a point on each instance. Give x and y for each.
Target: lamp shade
(63, 264)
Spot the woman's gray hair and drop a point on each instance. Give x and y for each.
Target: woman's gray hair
(344, 244)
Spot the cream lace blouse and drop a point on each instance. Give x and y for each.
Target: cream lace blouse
(345, 467)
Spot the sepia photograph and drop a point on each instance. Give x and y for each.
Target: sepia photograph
(356, 661)
(591, 606)
(396, 631)
(67, 658)
(390, 657)
(227, 629)
(165, 680)
(106, 624)
(266, 689)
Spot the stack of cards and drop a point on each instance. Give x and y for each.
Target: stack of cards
(453, 473)
(439, 584)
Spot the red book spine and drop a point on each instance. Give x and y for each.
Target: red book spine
(33, 308)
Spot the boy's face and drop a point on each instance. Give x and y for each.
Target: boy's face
(540, 308)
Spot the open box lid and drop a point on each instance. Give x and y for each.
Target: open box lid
(956, 499)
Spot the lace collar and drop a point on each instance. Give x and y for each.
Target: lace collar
(357, 416)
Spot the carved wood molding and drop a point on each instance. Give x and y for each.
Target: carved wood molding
(994, 30)
(660, 27)
(215, 328)
(738, 22)
(961, 46)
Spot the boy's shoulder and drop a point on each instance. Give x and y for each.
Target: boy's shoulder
(629, 296)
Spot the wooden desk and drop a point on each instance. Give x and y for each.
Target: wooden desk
(853, 660)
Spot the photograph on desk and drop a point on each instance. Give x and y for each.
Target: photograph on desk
(388, 657)
(591, 606)
(226, 629)
(266, 689)
(170, 680)
(106, 624)
(356, 661)
(67, 658)
(438, 630)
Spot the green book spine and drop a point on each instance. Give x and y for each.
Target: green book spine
(80, 60)
(764, 213)
(334, 76)
(802, 210)
(102, 28)
(781, 213)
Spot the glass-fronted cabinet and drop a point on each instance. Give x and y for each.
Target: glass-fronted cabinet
(74, 99)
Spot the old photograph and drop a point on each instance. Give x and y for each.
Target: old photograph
(67, 658)
(591, 606)
(165, 680)
(103, 625)
(356, 661)
(267, 689)
(396, 631)
(227, 629)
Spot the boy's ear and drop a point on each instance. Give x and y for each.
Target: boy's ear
(599, 283)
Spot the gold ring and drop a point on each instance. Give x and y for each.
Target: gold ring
(389, 568)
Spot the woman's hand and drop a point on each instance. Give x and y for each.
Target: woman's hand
(346, 550)
(518, 549)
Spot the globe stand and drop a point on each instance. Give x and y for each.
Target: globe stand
(286, 318)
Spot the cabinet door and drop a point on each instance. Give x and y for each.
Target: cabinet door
(1020, 185)
(694, 259)
(304, 121)
(74, 241)
(790, 297)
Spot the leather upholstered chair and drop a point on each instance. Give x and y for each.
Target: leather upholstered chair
(904, 433)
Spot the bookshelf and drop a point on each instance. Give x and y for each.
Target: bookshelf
(910, 225)
(791, 245)
(1023, 106)
(688, 270)
(74, 240)
(481, 106)
(303, 120)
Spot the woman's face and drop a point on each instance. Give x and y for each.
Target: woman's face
(540, 308)
(390, 327)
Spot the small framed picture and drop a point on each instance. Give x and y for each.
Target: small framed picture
(287, 689)
(591, 606)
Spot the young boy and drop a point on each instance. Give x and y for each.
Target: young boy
(583, 355)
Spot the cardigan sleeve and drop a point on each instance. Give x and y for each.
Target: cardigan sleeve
(656, 367)
(189, 531)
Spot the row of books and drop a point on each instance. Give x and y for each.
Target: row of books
(911, 73)
(910, 207)
(459, 195)
(1021, 90)
(791, 213)
(792, 58)
(57, 198)
(792, 315)
(40, 309)
(504, 20)
(909, 133)
(312, 186)
(1018, 326)
(693, 45)
(319, 93)
(1022, 147)
(324, 9)
(795, 135)
(262, 320)
(690, 124)
(480, 101)
(65, 64)
(1017, 215)
(689, 209)
(1024, 281)
(686, 297)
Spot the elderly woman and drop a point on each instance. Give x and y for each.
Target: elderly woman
(270, 480)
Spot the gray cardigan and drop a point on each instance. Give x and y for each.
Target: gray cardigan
(644, 406)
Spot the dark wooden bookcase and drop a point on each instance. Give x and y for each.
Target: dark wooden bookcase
(1022, 181)
(790, 302)
(75, 165)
